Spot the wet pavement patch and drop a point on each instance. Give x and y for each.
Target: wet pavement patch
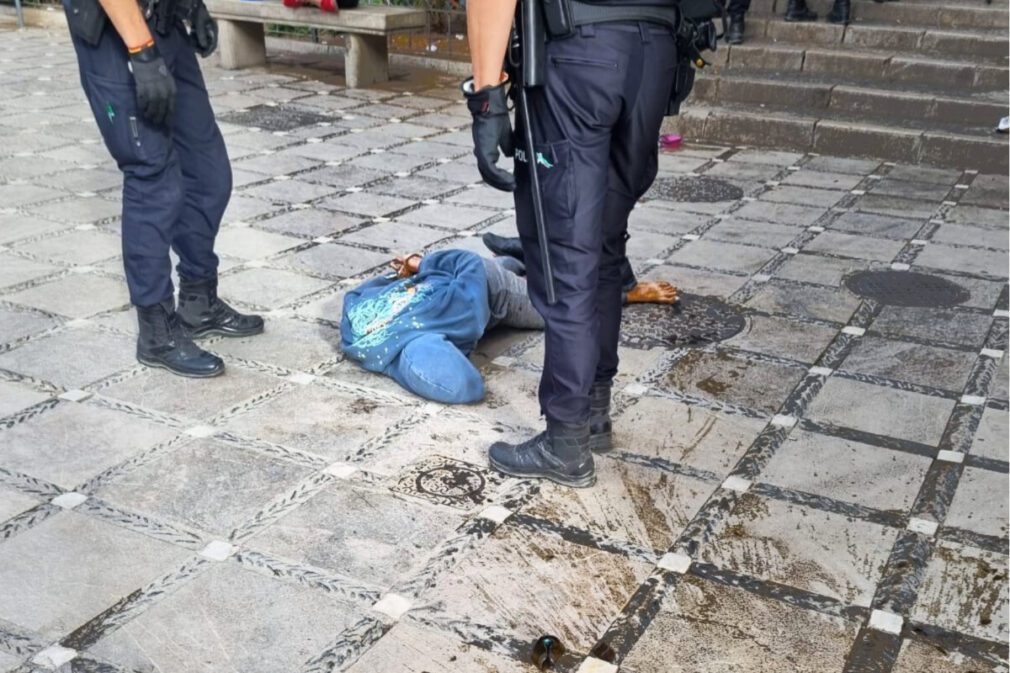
(907, 288)
(275, 118)
(699, 188)
(695, 321)
(449, 482)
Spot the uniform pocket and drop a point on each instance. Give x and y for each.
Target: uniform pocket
(129, 139)
(579, 60)
(557, 183)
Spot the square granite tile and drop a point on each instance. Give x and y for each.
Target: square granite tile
(447, 215)
(243, 207)
(75, 295)
(807, 268)
(697, 281)
(69, 568)
(960, 234)
(765, 234)
(967, 260)
(805, 196)
(945, 326)
(289, 191)
(633, 502)
(17, 396)
(847, 470)
(269, 288)
(72, 442)
(371, 536)
(308, 223)
(232, 620)
(882, 411)
(295, 344)
(208, 485)
(991, 438)
(482, 588)
(912, 363)
(194, 399)
(14, 502)
(965, 590)
(860, 247)
(974, 506)
(823, 303)
(411, 186)
(249, 243)
(825, 553)
(783, 337)
(15, 270)
(723, 256)
(718, 376)
(368, 204)
(80, 210)
(754, 634)
(823, 179)
(76, 247)
(15, 325)
(15, 226)
(336, 260)
(916, 657)
(663, 221)
(647, 245)
(73, 357)
(319, 420)
(870, 224)
(396, 236)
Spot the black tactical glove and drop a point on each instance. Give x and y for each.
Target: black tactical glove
(203, 31)
(492, 129)
(155, 85)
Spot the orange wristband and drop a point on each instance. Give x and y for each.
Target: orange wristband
(137, 50)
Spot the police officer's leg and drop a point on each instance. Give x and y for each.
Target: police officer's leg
(634, 164)
(206, 188)
(152, 192)
(572, 115)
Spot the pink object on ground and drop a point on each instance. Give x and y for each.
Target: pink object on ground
(670, 141)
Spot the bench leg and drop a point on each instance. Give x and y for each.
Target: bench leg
(241, 44)
(367, 60)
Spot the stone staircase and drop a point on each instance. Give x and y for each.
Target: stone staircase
(914, 81)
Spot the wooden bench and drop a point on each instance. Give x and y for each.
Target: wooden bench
(241, 41)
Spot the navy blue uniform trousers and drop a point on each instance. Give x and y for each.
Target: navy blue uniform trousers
(595, 124)
(176, 178)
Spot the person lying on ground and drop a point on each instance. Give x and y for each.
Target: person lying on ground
(419, 324)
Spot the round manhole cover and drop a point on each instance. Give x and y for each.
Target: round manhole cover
(451, 481)
(697, 188)
(696, 321)
(906, 288)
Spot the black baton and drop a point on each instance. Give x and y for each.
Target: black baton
(533, 38)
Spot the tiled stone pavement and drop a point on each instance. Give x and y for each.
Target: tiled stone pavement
(824, 492)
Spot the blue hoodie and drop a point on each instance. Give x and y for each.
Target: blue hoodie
(419, 330)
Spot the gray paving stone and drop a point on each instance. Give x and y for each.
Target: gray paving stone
(847, 245)
(965, 589)
(974, 508)
(977, 216)
(396, 236)
(207, 485)
(363, 203)
(883, 411)
(309, 223)
(663, 221)
(79, 210)
(960, 234)
(15, 194)
(810, 268)
(810, 302)
(803, 196)
(193, 399)
(760, 540)
(937, 176)
(780, 213)
(15, 396)
(754, 633)
(16, 270)
(755, 385)
(230, 618)
(75, 295)
(248, 243)
(89, 566)
(279, 163)
(847, 471)
(289, 191)
(935, 324)
(921, 191)
(767, 157)
(15, 325)
(447, 215)
(871, 224)
(72, 358)
(12, 503)
(648, 245)
(242, 207)
(823, 179)
(763, 234)
(372, 537)
(461, 171)
(723, 256)
(345, 175)
(912, 363)
(696, 281)
(76, 247)
(967, 260)
(482, 195)
(295, 344)
(15, 226)
(740, 170)
(782, 337)
(333, 259)
(896, 206)
(991, 438)
(269, 288)
(101, 438)
(916, 656)
(314, 424)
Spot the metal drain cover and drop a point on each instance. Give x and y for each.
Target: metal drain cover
(276, 118)
(906, 288)
(697, 321)
(699, 188)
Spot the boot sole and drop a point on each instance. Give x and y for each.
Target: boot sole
(580, 482)
(601, 443)
(214, 331)
(155, 364)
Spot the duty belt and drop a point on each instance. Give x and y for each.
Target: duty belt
(584, 13)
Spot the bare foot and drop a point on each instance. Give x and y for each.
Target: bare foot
(407, 265)
(659, 292)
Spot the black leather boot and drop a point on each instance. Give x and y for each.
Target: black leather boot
(600, 431)
(841, 12)
(797, 10)
(503, 246)
(561, 454)
(734, 33)
(164, 343)
(202, 313)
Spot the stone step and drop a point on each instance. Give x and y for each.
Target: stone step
(841, 135)
(866, 66)
(923, 14)
(829, 97)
